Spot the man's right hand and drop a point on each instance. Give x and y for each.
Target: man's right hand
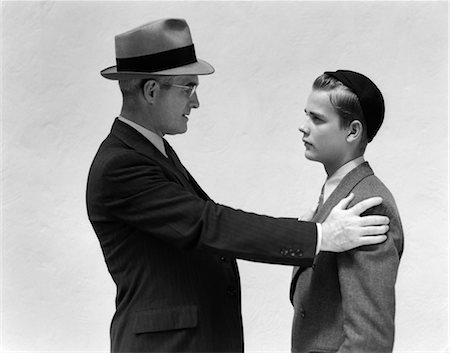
(345, 229)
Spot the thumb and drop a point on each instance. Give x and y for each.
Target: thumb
(343, 204)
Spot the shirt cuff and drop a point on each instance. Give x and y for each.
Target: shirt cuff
(319, 237)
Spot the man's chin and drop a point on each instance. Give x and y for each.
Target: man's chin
(177, 132)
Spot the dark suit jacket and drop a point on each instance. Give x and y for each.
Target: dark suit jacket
(346, 302)
(171, 250)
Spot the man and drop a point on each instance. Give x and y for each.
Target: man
(169, 248)
(346, 301)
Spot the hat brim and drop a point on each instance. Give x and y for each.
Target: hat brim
(200, 67)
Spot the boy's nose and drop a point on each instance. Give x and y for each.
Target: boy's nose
(303, 129)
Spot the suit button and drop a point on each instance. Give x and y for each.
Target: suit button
(298, 252)
(284, 251)
(303, 314)
(223, 258)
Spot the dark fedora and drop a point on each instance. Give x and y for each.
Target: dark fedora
(162, 47)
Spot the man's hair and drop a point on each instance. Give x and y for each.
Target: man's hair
(130, 88)
(343, 99)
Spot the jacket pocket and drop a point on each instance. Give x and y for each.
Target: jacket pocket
(156, 320)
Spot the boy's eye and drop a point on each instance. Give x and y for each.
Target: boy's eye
(314, 118)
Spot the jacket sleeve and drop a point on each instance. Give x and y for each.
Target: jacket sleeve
(136, 191)
(367, 277)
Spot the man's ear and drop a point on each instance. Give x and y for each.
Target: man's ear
(355, 131)
(150, 91)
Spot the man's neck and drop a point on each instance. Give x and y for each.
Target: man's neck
(140, 120)
(155, 139)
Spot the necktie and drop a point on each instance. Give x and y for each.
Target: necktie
(174, 159)
(320, 204)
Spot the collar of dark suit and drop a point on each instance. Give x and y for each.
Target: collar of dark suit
(136, 140)
(154, 138)
(142, 145)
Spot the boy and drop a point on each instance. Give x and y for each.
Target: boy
(346, 301)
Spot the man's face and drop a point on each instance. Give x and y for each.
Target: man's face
(324, 138)
(174, 105)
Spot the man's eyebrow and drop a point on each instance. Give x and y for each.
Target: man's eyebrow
(191, 83)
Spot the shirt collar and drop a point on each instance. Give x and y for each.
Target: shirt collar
(155, 139)
(333, 181)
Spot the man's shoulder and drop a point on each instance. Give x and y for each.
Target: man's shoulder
(115, 154)
(110, 148)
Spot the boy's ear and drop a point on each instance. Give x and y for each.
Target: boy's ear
(355, 131)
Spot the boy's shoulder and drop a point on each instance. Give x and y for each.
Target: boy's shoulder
(371, 186)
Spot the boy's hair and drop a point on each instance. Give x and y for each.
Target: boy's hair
(344, 101)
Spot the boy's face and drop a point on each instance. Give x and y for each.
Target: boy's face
(324, 138)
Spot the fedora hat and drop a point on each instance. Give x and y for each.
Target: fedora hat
(162, 47)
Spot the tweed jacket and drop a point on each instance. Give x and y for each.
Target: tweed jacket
(171, 250)
(345, 302)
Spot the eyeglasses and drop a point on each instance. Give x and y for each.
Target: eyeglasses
(190, 89)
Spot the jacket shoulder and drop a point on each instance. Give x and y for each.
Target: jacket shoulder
(372, 186)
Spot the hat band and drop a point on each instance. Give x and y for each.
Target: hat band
(160, 61)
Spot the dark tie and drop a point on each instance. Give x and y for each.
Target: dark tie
(320, 203)
(174, 159)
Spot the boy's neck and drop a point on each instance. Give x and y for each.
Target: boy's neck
(332, 168)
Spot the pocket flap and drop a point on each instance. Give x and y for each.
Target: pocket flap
(154, 320)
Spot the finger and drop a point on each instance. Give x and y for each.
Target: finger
(374, 230)
(367, 221)
(364, 205)
(372, 240)
(343, 204)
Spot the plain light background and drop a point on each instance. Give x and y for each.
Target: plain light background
(242, 146)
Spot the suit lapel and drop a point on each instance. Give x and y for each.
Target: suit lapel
(344, 188)
(138, 142)
(180, 167)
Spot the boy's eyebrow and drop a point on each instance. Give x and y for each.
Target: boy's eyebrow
(318, 115)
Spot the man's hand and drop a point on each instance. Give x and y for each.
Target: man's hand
(345, 229)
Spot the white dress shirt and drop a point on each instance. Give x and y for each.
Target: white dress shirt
(333, 181)
(155, 139)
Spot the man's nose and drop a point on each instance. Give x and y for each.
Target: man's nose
(194, 101)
